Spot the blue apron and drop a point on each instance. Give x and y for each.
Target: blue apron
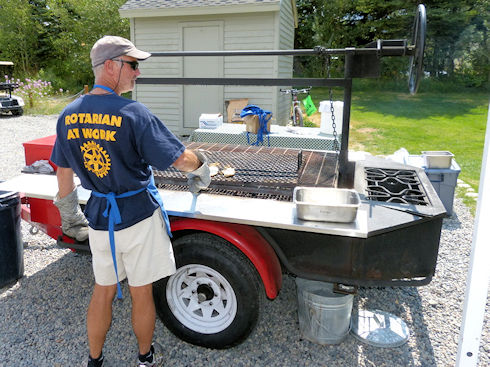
(112, 211)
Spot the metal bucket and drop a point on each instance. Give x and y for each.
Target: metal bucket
(324, 316)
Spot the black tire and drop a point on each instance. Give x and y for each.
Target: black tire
(18, 112)
(209, 269)
(298, 117)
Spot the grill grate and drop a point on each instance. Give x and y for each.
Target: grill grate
(395, 186)
(260, 172)
(255, 174)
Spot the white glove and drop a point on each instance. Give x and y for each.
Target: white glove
(73, 221)
(200, 178)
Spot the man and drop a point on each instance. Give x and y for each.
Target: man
(110, 143)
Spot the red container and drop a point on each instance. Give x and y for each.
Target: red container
(39, 149)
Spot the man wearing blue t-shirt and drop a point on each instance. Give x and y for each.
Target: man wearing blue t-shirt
(111, 143)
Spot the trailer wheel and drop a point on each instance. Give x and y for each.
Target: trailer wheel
(214, 298)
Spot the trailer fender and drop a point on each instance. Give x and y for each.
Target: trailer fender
(248, 240)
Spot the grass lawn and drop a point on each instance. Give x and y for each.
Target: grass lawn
(383, 122)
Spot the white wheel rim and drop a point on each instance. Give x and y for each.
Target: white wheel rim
(201, 299)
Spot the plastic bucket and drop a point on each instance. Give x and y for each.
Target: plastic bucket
(11, 248)
(326, 116)
(324, 316)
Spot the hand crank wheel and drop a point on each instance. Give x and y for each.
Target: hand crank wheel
(418, 45)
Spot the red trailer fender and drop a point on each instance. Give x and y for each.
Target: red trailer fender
(248, 240)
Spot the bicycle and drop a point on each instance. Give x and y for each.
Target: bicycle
(296, 113)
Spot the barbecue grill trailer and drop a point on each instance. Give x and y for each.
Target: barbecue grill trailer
(232, 251)
(234, 241)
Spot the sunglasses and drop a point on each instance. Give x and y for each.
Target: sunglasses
(134, 64)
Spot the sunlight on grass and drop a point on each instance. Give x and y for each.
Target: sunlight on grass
(48, 106)
(383, 122)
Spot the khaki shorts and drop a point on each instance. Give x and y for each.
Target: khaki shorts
(144, 253)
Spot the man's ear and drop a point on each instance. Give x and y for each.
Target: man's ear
(110, 67)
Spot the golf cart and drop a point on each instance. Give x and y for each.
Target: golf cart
(8, 101)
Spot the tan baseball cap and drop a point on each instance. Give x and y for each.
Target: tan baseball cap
(110, 47)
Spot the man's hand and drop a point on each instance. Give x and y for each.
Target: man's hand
(199, 178)
(73, 222)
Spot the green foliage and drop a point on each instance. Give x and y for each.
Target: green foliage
(18, 34)
(457, 45)
(54, 37)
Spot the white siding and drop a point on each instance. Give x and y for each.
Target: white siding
(249, 31)
(285, 63)
(156, 35)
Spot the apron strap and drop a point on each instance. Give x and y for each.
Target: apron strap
(156, 195)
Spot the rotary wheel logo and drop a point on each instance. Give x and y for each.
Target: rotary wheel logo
(95, 159)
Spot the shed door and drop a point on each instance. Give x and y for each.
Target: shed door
(201, 99)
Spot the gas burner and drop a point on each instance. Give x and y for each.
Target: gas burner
(395, 186)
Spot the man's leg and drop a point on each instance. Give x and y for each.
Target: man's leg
(99, 317)
(143, 315)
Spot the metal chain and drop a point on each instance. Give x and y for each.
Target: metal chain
(336, 145)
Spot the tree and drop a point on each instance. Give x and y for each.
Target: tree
(53, 37)
(18, 35)
(457, 33)
(78, 24)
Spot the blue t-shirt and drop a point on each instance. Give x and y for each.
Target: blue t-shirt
(110, 142)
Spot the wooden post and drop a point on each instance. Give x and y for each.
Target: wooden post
(85, 89)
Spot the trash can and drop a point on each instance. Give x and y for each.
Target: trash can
(11, 248)
(444, 180)
(324, 316)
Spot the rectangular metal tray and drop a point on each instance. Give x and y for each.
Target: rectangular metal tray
(437, 159)
(326, 204)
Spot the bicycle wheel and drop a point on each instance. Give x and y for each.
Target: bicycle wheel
(297, 116)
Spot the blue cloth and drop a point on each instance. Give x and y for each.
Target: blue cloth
(264, 117)
(111, 142)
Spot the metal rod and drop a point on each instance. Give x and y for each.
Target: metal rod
(313, 82)
(385, 50)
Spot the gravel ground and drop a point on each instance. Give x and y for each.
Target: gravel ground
(42, 316)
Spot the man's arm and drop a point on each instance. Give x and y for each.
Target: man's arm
(187, 161)
(66, 182)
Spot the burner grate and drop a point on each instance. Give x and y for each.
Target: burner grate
(394, 186)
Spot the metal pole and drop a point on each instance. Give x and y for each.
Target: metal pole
(344, 145)
(382, 51)
(479, 271)
(313, 82)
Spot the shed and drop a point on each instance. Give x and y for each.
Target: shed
(211, 25)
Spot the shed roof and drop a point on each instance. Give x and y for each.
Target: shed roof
(169, 8)
(158, 4)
